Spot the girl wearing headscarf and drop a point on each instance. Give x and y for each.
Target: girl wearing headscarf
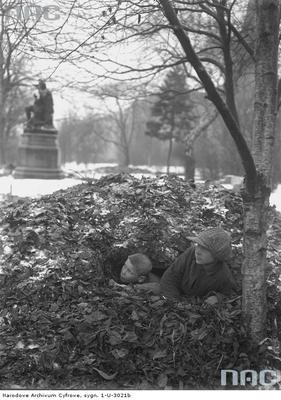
(202, 268)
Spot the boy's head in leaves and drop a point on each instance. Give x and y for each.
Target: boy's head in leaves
(213, 244)
(136, 268)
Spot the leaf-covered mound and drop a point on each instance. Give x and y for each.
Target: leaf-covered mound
(61, 321)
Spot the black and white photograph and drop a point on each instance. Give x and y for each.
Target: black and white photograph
(140, 199)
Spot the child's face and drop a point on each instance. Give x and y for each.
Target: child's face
(203, 255)
(129, 273)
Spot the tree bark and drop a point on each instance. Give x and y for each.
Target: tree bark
(126, 157)
(268, 18)
(189, 140)
(189, 165)
(124, 148)
(256, 206)
(254, 264)
(3, 140)
(170, 149)
(2, 144)
(225, 35)
(2, 128)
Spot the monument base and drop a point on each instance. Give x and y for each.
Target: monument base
(38, 155)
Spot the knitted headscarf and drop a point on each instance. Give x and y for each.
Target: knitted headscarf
(217, 241)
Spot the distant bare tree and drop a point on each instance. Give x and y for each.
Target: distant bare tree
(14, 36)
(26, 31)
(120, 113)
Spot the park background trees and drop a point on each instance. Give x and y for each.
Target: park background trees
(172, 114)
(24, 31)
(12, 73)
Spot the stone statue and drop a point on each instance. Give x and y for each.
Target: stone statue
(40, 114)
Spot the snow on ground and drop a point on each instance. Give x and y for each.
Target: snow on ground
(33, 187)
(275, 198)
(92, 169)
(40, 187)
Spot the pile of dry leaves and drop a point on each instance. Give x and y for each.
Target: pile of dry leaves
(60, 320)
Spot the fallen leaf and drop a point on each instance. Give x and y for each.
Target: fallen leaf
(162, 380)
(104, 375)
(120, 353)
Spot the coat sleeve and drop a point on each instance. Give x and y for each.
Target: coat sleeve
(171, 280)
(228, 288)
(226, 284)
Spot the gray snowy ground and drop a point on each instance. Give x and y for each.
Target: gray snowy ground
(39, 187)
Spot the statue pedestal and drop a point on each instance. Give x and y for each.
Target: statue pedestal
(38, 155)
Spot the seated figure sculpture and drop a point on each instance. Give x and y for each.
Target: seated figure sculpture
(34, 113)
(40, 114)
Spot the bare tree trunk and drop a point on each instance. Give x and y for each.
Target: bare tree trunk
(2, 132)
(126, 157)
(169, 155)
(228, 75)
(189, 141)
(149, 151)
(189, 167)
(257, 168)
(122, 123)
(124, 149)
(256, 204)
(254, 263)
(2, 127)
(3, 150)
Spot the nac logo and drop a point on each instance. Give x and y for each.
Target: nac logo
(266, 377)
(34, 12)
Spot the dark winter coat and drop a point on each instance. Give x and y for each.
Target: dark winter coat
(187, 278)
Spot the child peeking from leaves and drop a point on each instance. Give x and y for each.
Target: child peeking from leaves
(137, 270)
(201, 271)
(202, 268)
